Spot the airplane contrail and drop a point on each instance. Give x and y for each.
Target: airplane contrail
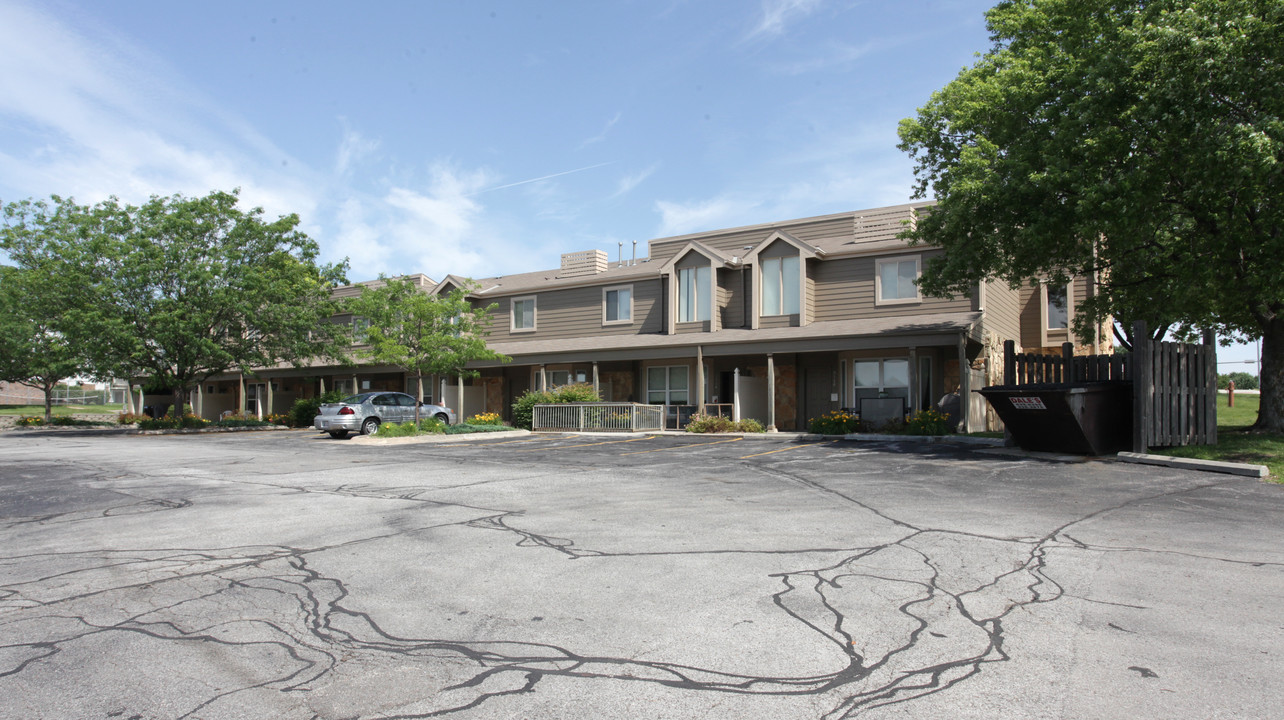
(546, 177)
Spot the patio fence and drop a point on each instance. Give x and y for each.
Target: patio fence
(598, 417)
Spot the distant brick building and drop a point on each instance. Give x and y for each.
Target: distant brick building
(15, 394)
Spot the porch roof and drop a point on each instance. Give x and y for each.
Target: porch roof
(868, 333)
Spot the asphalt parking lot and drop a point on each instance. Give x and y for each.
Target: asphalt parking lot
(288, 575)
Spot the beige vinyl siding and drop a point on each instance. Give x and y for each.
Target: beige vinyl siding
(844, 290)
(809, 295)
(1031, 317)
(777, 321)
(577, 312)
(1003, 311)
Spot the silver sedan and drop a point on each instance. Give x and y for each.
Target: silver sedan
(365, 412)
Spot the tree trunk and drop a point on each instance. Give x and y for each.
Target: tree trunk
(1270, 416)
(48, 387)
(177, 409)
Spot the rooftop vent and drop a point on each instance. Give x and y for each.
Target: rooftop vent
(588, 262)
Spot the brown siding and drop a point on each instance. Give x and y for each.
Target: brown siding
(731, 299)
(733, 244)
(577, 312)
(776, 321)
(1031, 317)
(844, 290)
(1002, 311)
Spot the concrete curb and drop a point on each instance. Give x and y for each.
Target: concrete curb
(952, 439)
(418, 439)
(1217, 466)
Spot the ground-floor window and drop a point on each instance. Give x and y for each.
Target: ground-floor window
(558, 378)
(667, 385)
(880, 378)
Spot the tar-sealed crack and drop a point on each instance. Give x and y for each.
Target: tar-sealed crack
(901, 619)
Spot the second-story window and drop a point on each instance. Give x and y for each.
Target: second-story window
(360, 330)
(617, 305)
(780, 285)
(1058, 308)
(894, 280)
(523, 314)
(694, 294)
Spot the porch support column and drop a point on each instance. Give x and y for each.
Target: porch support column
(198, 400)
(267, 386)
(914, 379)
(321, 380)
(771, 394)
(240, 394)
(459, 394)
(355, 387)
(735, 396)
(699, 388)
(543, 378)
(596, 386)
(964, 380)
(140, 399)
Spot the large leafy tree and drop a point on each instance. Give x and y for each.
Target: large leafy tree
(42, 300)
(180, 289)
(1140, 140)
(420, 333)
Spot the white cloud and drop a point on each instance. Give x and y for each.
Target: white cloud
(354, 147)
(602, 135)
(629, 182)
(778, 14)
(722, 211)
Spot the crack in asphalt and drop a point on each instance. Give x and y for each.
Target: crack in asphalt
(272, 601)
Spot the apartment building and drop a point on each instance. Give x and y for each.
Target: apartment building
(785, 321)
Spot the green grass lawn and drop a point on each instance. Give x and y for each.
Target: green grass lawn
(39, 410)
(1235, 441)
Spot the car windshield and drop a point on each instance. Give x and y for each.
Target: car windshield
(356, 399)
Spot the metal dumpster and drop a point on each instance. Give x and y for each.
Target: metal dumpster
(1079, 418)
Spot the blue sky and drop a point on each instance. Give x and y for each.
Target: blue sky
(478, 138)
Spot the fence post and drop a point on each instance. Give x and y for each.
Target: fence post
(581, 427)
(1209, 351)
(735, 396)
(1142, 412)
(1009, 362)
(1067, 363)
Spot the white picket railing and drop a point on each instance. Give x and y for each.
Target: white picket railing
(598, 417)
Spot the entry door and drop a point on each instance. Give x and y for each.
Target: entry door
(819, 387)
(253, 392)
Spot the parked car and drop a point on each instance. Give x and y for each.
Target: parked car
(365, 412)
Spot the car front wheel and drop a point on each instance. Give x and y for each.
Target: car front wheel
(443, 417)
(370, 426)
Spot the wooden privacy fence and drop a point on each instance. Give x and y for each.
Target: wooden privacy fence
(1174, 385)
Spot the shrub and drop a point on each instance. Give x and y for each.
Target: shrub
(305, 410)
(524, 406)
(129, 418)
(240, 421)
(715, 424)
(280, 419)
(837, 422)
(169, 422)
(29, 421)
(464, 428)
(1243, 381)
(928, 422)
(488, 418)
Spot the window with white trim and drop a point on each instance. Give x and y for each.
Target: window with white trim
(1057, 307)
(780, 285)
(617, 305)
(894, 280)
(880, 378)
(694, 293)
(360, 330)
(523, 314)
(667, 385)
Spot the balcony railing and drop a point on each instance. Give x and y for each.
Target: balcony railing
(598, 417)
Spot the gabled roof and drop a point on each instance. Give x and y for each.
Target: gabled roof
(804, 249)
(696, 247)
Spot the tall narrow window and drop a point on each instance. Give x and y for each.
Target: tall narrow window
(694, 294)
(523, 314)
(881, 378)
(780, 286)
(667, 385)
(894, 280)
(1058, 312)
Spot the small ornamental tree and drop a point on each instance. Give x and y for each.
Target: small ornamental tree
(423, 334)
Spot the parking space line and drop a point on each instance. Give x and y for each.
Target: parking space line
(791, 447)
(604, 442)
(682, 447)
